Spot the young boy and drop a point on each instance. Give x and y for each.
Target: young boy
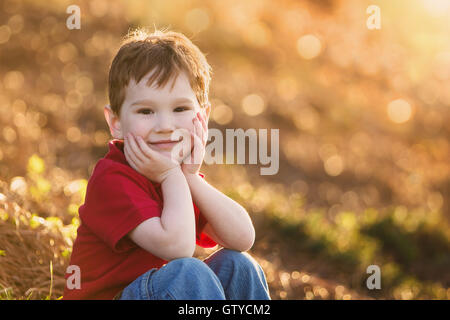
(147, 205)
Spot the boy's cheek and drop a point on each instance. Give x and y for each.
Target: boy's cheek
(189, 123)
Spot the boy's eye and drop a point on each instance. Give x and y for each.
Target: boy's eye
(179, 109)
(149, 111)
(145, 111)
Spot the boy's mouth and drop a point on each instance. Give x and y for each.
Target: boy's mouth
(165, 144)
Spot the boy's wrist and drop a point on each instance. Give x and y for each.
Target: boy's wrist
(192, 177)
(175, 171)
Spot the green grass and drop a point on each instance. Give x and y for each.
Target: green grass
(412, 247)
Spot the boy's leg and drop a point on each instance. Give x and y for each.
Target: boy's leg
(241, 276)
(179, 279)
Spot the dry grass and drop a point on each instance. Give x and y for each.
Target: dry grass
(32, 256)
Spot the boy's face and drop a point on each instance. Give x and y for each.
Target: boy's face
(155, 113)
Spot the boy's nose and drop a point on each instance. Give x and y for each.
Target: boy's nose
(164, 124)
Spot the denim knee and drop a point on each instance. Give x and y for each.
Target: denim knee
(240, 260)
(241, 276)
(187, 264)
(191, 278)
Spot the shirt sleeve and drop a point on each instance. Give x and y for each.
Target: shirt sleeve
(202, 238)
(116, 203)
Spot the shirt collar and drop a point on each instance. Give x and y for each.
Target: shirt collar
(116, 152)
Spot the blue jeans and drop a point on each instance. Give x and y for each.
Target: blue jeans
(224, 275)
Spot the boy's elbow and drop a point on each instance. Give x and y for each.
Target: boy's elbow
(183, 249)
(243, 247)
(250, 239)
(187, 250)
(247, 242)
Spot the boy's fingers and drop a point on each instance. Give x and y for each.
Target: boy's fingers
(205, 138)
(150, 153)
(145, 149)
(197, 154)
(193, 145)
(134, 148)
(202, 134)
(195, 131)
(198, 141)
(132, 163)
(181, 149)
(126, 149)
(201, 117)
(197, 128)
(205, 127)
(130, 157)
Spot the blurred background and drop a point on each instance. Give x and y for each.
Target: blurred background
(363, 115)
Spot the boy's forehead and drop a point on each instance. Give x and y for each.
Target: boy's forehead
(178, 86)
(178, 81)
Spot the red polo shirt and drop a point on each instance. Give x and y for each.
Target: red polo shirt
(118, 199)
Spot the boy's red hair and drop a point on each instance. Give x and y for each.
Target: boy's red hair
(169, 52)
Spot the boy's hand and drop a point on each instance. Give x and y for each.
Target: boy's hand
(148, 162)
(192, 163)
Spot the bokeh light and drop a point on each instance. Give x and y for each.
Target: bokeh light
(197, 20)
(222, 114)
(399, 111)
(5, 34)
(253, 104)
(309, 46)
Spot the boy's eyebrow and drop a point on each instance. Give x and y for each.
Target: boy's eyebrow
(150, 102)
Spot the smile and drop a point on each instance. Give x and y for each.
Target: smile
(164, 144)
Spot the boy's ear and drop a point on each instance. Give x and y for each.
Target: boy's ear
(113, 122)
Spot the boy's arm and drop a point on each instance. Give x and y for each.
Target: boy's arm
(172, 235)
(228, 222)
